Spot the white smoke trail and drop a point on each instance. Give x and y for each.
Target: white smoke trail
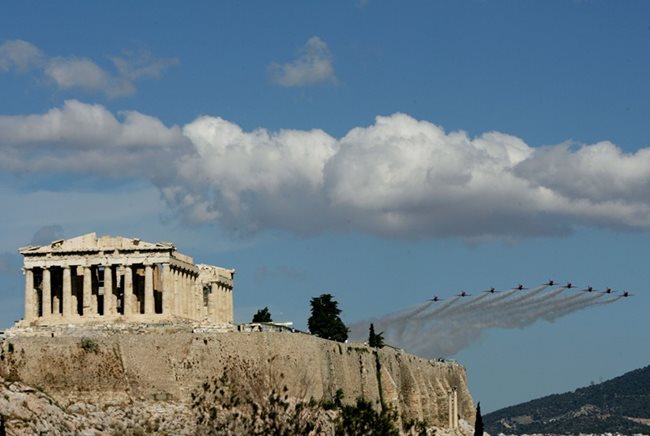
(527, 295)
(566, 309)
(472, 303)
(444, 330)
(418, 319)
(410, 313)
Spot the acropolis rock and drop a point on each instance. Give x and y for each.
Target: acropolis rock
(120, 336)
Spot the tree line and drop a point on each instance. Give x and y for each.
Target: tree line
(325, 321)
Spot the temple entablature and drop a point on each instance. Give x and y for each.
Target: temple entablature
(91, 279)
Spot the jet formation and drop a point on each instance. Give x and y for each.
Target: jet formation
(443, 325)
(550, 283)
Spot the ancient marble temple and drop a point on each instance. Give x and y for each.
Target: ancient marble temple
(89, 280)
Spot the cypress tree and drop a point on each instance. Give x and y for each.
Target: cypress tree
(375, 340)
(478, 425)
(262, 315)
(324, 321)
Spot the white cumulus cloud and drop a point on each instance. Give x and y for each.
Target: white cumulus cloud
(70, 73)
(20, 55)
(406, 178)
(398, 177)
(314, 65)
(77, 73)
(85, 138)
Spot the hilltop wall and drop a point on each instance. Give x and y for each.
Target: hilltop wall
(168, 365)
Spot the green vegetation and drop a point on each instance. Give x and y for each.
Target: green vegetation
(603, 407)
(375, 340)
(361, 419)
(324, 321)
(247, 399)
(262, 315)
(88, 345)
(478, 422)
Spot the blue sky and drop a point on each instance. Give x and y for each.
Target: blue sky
(381, 151)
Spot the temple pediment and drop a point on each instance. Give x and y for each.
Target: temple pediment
(90, 242)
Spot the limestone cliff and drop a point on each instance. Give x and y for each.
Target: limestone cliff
(159, 369)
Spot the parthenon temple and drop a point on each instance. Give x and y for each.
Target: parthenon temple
(89, 280)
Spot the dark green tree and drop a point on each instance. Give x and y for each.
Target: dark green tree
(324, 321)
(375, 340)
(262, 315)
(362, 419)
(478, 425)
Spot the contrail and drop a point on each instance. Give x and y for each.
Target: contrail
(448, 328)
(504, 295)
(415, 320)
(470, 304)
(580, 304)
(528, 295)
(410, 313)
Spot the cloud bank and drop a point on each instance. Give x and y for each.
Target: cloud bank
(69, 73)
(84, 138)
(398, 177)
(314, 65)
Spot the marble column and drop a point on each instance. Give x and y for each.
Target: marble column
(224, 303)
(200, 306)
(191, 293)
(195, 314)
(74, 301)
(31, 311)
(109, 301)
(128, 291)
(66, 293)
(94, 300)
(221, 303)
(47, 293)
(212, 301)
(184, 293)
(174, 286)
(230, 315)
(167, 289)
(174, 274)
(87, 292)
(149, 303)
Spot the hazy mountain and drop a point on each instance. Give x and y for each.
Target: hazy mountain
(619, 405)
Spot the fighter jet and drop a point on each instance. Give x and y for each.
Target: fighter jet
(434, 299)
(519, 287)
(491, 291)
(550, 283)
(463, 294)
(608, 291)
(627, 294)
(589, 289)
(569, 285)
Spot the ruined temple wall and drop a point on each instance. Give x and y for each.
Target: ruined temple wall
(169, 366)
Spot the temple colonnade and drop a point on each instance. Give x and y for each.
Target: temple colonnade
(90, 279)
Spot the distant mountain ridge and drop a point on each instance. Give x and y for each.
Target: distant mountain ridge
(621, 405)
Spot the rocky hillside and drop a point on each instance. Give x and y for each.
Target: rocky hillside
(99, 379)
(618, 405)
